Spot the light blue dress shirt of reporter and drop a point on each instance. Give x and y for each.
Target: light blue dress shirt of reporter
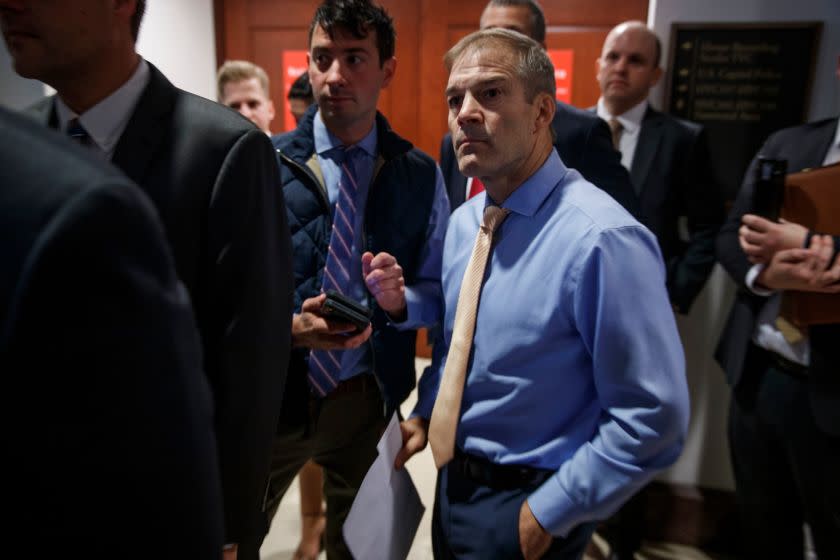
(422, 297)
(576, 362)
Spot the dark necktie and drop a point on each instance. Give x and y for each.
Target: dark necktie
(325, 365)
(77, 132)
(616, 128)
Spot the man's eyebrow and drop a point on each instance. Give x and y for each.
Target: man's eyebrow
(349, 50)
(478, 84)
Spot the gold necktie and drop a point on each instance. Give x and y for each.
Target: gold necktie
(447, 409)
(616, 128)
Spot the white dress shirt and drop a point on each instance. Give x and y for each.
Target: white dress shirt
(631, 122)
(766, 334)
(106, 121)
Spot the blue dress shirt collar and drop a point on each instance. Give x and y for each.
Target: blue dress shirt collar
(326, 141)
(531, 194)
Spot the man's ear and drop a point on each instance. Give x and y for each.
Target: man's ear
(546, 107)
(390, 68)
(657, 75)
(125, 9)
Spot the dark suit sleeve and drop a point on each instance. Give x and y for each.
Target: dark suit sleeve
(117, 412)
(250, 268)
(702, 203)
(455, 182)
(601, 166)
(445, 151)
(727, 248)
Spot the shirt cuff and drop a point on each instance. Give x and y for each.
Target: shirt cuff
(413, 312)
(752, 274)
(553, 508)
(427, 389)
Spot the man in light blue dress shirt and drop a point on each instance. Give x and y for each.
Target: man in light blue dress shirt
(575, 391)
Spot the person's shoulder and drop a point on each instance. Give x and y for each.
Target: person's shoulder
(680, 129)
(206, 114)
(585, 207)
(573, 114)
(596, 224)
(283, 139)
(793, 133)
(33, 151)
(421, 158)
(49, 182)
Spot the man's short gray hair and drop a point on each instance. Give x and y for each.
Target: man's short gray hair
(529, 59)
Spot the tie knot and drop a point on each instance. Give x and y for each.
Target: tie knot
(347, 153)
(77, 132)
(347, 159)
(493, 217)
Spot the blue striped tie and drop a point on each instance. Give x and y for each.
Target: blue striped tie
(325, 365)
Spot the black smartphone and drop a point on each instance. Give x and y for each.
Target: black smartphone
(769, 187)
(342, 308)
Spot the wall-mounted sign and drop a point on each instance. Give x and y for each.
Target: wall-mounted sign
(294, 64)
(742, 82)
(563, 61)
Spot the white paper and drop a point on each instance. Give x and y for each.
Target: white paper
(387, 510)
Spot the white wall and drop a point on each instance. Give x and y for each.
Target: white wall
(705, 458)
(177, 36)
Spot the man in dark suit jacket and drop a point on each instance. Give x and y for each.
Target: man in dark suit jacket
(101, 363)
(672, 174)
(581, 139)
(214, 180)
(668, 160)
(784, 420)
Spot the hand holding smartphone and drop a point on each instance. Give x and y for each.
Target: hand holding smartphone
(342, 308)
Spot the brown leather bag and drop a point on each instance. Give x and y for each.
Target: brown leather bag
(812, 198)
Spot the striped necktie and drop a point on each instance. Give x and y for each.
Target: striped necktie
(325, 365)
(447, 409)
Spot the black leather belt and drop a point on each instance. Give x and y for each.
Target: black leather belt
(783, 364)
(500, 477)
(779, 362)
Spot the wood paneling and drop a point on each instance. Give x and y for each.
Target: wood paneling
(259, 30)
(580, 25)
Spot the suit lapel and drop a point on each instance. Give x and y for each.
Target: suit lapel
(822, 143)
(650, 136)
(457, 188)
(146, 128)
(44, 112)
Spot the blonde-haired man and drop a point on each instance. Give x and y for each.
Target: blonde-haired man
(243, 86)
